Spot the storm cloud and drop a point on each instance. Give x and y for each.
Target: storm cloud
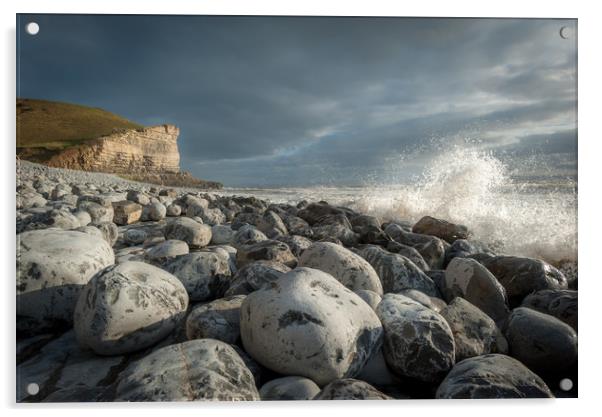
(315, 100)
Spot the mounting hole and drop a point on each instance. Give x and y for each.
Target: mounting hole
(566, 384)
(33, 388)
(32, 28)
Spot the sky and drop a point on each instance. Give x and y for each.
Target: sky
(298, 101)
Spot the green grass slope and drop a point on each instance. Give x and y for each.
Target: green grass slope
(55, 125)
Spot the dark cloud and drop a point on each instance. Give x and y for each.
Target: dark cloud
(285, 100)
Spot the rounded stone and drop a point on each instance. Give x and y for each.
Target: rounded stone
(218, 319)
(205, 274)
(195, 234)
(561, 304)
(492, 376)
(156, 211)
(350, 389)
(418, 342)
(52, 267)
(256, 275)
(289, 388)
(308, 324)
(268, 250)
(370, 297)
(540, 341)
(221, 234)
(351, 270)
(167, 251)
(128, 307)
(135, 236)
(201, 369)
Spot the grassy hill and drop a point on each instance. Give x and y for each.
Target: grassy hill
(55, 125)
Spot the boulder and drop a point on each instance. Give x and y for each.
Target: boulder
(561, 304)
(156, 211)
(410, 253)
(523, 276)
(126, 212)
(370, 297)
(128, 307)
(349, 269)
(350, 389)
(195, 234)
(434, 303)
(247, 235)
(267, 250)
(297, 244)
(542, 342)
(308, 324)
(173, 210)
(206, 275)
(109, 231)
(492, 376)
(397, 272)
(440, 228)
(418, 342)
(98, 212)
(218, 319)
(201, 369)
(475, 333)
(167, 251)
(221, 234)
(466, 278)
(52, 267)
(289, 388)
(255, 276)
(135, 236)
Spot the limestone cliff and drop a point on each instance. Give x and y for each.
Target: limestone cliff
(149, 154)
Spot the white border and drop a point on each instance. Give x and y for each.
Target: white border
(589, 193)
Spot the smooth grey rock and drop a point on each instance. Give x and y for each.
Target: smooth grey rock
(167, 251)
(201, 369)
(308, 324)
(128, 307)
(540, 341)
(289, 388)
(418, 342)
(410, 253)
(83, 217)
(434, 303)
(397, 272)
(218, 319)
(267, 250)
(205, 275)
(523, 276)
(376, 371)
(138, 197)
(173, 210)
(221, 234)
(247, 235)
(156, 211)
(561, 304)
(350, 389)
(109, 231)
(349, 269)
(475, 333)
(52, 268)
(272, 221)
(297, 244)
(466, 278)
(492, 376)
(135, 236)
(195, 234)
(370, 297)
(212, 216)
(97, 212)
(256, 275)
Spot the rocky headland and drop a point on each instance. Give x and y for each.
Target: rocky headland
(136, 292)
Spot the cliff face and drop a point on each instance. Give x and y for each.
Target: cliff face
(149, 155)
(152, 150)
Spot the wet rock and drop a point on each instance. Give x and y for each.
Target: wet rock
(418, 342)
(440, 228)
(267, 250)
(466, 278)
(561, 304)
(350, 389)
(475, 333)
(255, 276)
(397, 272)
(52, 268)
(218, 319)
(126, 212)
(195, 234)
(349, 269)
(523, 276)
(128, 307)
(314, 211)
(492, 376)
(206, 275)
(542, 342)
(201, 369)
(462, 248)
(309, 324)
(410, 253)
(167, 251)
(289, 388)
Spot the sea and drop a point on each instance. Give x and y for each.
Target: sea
(534, 216)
